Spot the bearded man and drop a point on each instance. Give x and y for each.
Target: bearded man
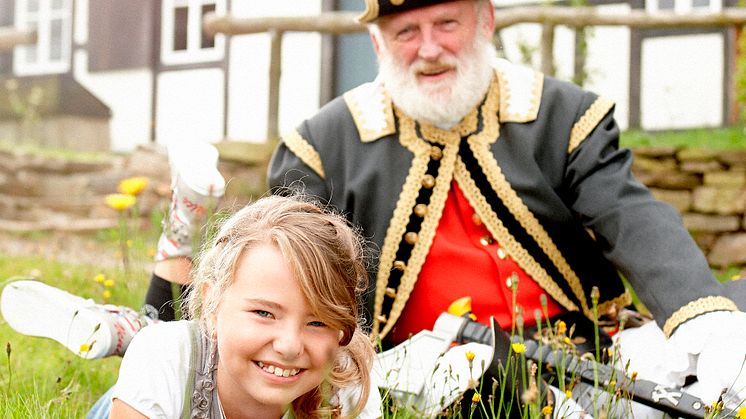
(474, 176)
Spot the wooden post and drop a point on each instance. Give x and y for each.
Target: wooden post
(10, 37)
(275, 72)
(547, 49)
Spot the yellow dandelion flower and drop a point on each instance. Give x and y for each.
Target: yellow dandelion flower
(100, 278)
(547, 410)
(561, 327)
(120, 202)
(106, 294)
(518, 348)
(741, 413)
(129, 243)
(568, 394)
(109, 283)
(634, 377)
(567, 341)
(133, 185)
(476, 398)
(85, 348)
(469, 356)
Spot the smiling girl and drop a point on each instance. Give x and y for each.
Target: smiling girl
(275, 326)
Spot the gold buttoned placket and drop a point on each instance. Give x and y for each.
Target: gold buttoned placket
(436, 153)
(399, 265)
(420, 210)
(411, 237)
(382, 319)
(428, 181)
(390, 292)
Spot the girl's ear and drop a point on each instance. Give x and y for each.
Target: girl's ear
(212, 317)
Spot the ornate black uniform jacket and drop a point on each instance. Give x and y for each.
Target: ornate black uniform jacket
(539, 162)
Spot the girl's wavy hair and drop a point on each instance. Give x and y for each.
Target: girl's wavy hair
(325, 255)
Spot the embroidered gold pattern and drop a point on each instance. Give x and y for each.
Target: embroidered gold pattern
(304, 151)
(371, 109)
(694, 309)
(526, 218)
(509, 83)
(588, 122)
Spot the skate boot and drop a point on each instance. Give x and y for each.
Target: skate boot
(196, 186)
(87, 329)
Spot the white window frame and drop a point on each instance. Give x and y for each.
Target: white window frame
(194, 52)
(685, 6)
(43, 18)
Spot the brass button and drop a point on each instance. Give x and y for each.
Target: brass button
(476, 219)
(420, 210)
(381, 319)
(390, 292)
(411, 237)
(501, 253)
(399, 265)
(436, 153)
(428, 181)
(486, 240)
(509, 282)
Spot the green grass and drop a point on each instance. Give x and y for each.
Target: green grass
(711, 138)
(42, 379)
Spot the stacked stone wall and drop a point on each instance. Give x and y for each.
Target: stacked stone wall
(708, 188)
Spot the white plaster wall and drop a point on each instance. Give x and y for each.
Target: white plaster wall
(607, 63)
(682, 82)
(127, 94)
(249, 72)
(190, 106)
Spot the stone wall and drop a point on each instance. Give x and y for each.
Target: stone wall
(37, 193)
(708, 188)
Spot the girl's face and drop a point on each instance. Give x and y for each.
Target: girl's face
(272, 349)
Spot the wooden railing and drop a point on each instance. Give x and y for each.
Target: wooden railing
(10, 37)
(548, 16)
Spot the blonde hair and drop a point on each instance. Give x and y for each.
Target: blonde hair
(325, 256)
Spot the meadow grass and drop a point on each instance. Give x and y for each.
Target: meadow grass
(40, 378)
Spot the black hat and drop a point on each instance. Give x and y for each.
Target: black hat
(377, 8)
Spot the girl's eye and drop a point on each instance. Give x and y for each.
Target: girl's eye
(317, 324)
(262, 313)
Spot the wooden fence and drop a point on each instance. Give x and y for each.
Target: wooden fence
(548, 16)
(10, 37)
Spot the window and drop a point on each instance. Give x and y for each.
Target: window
(52, 20)
(182, 38)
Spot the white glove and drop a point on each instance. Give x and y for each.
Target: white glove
(718, 340)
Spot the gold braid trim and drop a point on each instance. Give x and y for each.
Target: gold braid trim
(588, 122)
(506, 240)
(694, 309)
(622, 301)
(506, 94)
(371, 109)
(304, 151)
(526, 218)
(428, 227)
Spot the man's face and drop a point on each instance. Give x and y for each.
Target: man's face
(427, 39)
(435, 60)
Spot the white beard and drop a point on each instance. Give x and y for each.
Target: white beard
(444, 103)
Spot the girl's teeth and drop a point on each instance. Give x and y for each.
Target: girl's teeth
(279, 372)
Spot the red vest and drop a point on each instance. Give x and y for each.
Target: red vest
(464, 260)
